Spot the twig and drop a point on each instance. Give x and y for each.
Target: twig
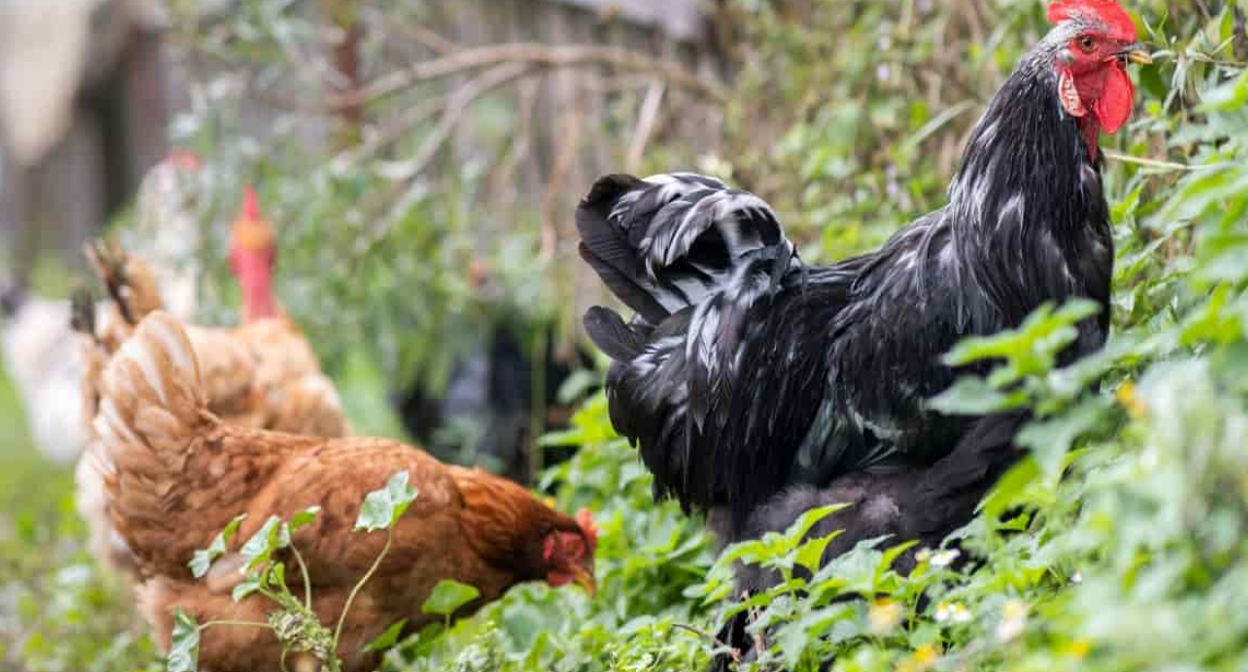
(454, 112)
(645, 126)
(392, 132)
(346, 608)
(564, 157)
(732, 651)
(307, 582)
(1155, 163)
(452, 115)
(241, 624)
(539, 55)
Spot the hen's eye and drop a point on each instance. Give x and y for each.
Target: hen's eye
(1087, 43)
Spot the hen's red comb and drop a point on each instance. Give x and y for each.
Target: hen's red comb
(183, 159)
(1108, 12)
(251, 205)
(586, 520)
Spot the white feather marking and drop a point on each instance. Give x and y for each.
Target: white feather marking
(174, 346)
(136, 351)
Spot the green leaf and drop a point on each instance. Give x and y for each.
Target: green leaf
(184, 649)
(810, 553)
(1006, 492)
(809, 519)
(202, 560)
(448, 596)
(386, 639)
(245, 587)
(383, 508)
(888, 556)
(1050, 440)
(970, 396)
(304, 518)
(274, 535)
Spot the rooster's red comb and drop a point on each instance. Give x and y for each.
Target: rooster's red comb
(586, 520)
(1108, 12)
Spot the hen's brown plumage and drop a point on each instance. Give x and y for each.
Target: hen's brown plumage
(175, 475)
(261, 374)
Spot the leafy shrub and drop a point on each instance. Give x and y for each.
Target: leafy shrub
(1117, 545)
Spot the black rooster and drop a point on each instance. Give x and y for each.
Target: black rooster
(747, 373)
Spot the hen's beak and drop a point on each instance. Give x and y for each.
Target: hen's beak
(1136, 53)
(585, 579)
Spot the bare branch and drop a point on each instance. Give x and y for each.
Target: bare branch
(734, 653)
(537, 55)
(645, 126)
(407, 185)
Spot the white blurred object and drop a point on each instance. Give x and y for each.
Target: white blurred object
(50, 49)
(42, 357)
(43, 55)
(42, 354)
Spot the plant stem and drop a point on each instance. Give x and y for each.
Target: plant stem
(307, 582)
(1154, 163)
(342, 618)
(732, 651)
(247, 624)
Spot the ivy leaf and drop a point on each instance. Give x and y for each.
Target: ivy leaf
(274, 535)
(184, 650)
(448, 596)
(383, 508)
(202, 560)
(304, 518)
(245, 587)
(386, 639)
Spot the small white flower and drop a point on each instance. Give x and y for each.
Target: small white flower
(1077, 577)
(882, 72)
(883, 616)
(1013, 620)
(945, 558)
(952, 612)
(923, 555)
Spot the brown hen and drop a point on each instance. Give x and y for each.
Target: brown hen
(175, 474)
(260, 374)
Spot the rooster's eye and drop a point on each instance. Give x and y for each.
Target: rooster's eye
(1087, 43)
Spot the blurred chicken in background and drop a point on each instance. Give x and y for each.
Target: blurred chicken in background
(40, 353)
(487, 411)
(262, 373)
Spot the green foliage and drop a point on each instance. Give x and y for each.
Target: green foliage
(383, 508)
(1116, 545)
(448, 596)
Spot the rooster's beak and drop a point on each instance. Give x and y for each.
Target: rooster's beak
(585, 579)
(1137, 53)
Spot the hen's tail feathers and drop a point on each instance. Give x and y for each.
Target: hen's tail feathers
(152, 407)
(129, 281)
(666, 242)
(82, 312)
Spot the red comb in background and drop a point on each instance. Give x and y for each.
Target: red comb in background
(586, 520)
(251, 205)
(183, 159)
(1108, 12)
